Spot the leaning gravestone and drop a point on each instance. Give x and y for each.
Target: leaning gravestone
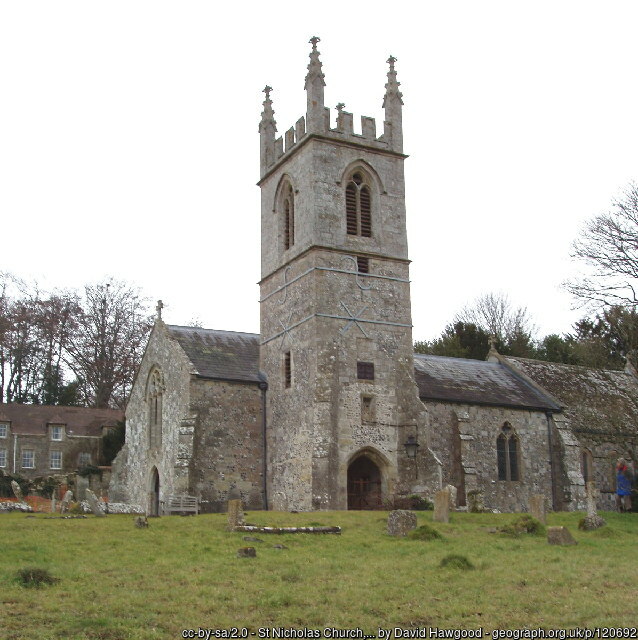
(66, 501)
(97, 510)
(235, 509)
(537, 508)
(559, 535)
(401, 522)
(17, 492)
(441, 506)
(592, 520)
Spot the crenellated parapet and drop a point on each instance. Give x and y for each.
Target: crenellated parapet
(318, 117)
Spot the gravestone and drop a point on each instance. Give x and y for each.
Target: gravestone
(82, 485)
(246, 552)
(401, 522)
(537, 508)
(592, 520)
(17, 492)
(559, 535)
(235, 514)
(441, 506)
(452, 491)
(53, 503)
(97, 510)
(66, 501)
(475, 501)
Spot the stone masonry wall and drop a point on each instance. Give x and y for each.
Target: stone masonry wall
(227, 447)
(472, 431)
(133, 467)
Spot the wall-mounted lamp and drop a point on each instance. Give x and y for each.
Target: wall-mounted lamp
(411, 446)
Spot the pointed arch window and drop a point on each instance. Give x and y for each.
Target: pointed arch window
(289, 216)
(508, 454)
(358, 206)
(154, 397)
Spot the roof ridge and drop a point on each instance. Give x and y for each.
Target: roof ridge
(181, 326)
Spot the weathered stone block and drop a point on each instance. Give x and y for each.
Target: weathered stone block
(559, 535)
(537, 508)
(441, 506)
(400, 522)
(235, 514)
(247, 552)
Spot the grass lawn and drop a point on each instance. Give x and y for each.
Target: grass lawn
(119, 582)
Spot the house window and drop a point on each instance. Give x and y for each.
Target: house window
(55, 459)
(289, 217)
(287, 369)
(507, 454)
(3, 458)
(56, 432)
(363, 265)
(4, 429)
(28, 459)
(84, 459)
(365, 370)
(358, 207)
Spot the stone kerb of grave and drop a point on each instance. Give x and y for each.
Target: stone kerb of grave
(441, 506)
(401, 522)
(253, 529)
(559, 535)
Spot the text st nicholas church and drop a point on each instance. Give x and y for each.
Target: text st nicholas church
(329, 407)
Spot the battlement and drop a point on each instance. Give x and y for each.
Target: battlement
(318, 117)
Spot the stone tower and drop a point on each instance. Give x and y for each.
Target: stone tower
(336, 336)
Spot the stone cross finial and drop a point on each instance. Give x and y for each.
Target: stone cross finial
(340, 107)
(314, 41)
(160, 306)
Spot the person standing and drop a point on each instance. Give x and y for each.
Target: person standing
(624, 479)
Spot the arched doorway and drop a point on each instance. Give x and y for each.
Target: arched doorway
(154, 509)
(364, 484)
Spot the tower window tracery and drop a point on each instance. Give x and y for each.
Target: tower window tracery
(289, 217)
(358, 206)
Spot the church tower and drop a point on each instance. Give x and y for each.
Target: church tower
(336, 329)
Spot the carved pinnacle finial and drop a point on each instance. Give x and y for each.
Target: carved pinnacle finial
(341, 107)
(392, 86)
(267, 89)
(160, 306)
(492, 341)
(314, 41)
(267, 115)
(391, 60)
(314, 66)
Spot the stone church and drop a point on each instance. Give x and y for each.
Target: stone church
(328, 407)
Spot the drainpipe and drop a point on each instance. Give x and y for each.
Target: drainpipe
(264, 387)
(15, 451)
(550, 446)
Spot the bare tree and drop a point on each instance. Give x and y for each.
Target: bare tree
(495, 314)
(609, 246)
(106, 347)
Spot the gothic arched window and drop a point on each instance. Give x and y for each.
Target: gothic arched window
(507, 454)
(358, 206)
(288, 207)
(154, 394)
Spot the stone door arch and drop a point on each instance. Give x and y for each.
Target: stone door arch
(154, 496)
(364, 483)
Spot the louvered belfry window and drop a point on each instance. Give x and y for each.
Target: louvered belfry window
(289, 218)
(358, 207)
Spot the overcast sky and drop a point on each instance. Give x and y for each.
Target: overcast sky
(129, 144)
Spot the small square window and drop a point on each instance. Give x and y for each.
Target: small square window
(84, 459)
(363, 264)
(28, 459)
(56, 432)
(365, 370)
(3, 457)
(56, 460)
(4, 429)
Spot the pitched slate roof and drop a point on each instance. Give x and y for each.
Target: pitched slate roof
(476, 382)
(220, 355)
(595, 400)
(32, 419)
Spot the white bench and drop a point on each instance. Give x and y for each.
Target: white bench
(181, 504)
